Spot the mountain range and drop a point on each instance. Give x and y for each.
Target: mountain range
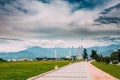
(39, 52)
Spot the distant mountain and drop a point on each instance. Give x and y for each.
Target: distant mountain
(39, 52)
(105, 50)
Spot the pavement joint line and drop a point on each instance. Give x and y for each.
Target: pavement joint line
(70, 72)
(68, 76)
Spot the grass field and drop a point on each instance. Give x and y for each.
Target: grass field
(24, 70)
(109, 68)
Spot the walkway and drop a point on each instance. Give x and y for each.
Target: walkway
(77, 71)
(98, 74)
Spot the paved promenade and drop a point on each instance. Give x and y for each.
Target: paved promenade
(98, 74)
(76, 71)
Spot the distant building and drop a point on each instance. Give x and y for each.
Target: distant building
(68, 57)
(79, 56)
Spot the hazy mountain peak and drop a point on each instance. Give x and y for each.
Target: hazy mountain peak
(34, 47)
(36, 51)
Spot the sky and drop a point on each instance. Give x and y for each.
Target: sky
(58, 23)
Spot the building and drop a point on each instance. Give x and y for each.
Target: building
(79, 56)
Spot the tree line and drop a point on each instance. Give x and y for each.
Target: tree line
(114, 57)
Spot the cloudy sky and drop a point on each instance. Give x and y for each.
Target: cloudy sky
(58, 23)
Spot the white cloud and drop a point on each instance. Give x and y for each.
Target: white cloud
(12, 46)
(52, 25)
(47, 16)
(15, 46)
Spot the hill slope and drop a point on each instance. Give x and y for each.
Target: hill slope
(35, 52)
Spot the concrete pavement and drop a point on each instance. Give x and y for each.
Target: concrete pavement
(76, 71)
(98, 74)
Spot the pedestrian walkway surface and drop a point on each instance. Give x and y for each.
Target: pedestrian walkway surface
(98, 74)
(76, 71)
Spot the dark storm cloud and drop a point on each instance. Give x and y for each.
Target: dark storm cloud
(110, 15)
(109, 20)
(90, 34)
(12, 7)
(46, 1)
(10, 39)
(76, 4)
(113, 39)
(86, 4)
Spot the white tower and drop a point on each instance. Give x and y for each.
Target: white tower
(55, 55)
(79, 56)
(70, 54)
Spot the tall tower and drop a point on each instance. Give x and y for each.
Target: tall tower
(55, 54)
(79, 56)
(70, 54)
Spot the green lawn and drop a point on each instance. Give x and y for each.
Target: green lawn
(109, 68)
(24, 70)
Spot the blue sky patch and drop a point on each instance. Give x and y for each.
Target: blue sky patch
(87, 4)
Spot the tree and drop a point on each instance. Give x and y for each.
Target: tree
(101, 58)
(107, 60)
(2, 60)
(114, 56)
(85, 55)
(93, 54)
(118, 55)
